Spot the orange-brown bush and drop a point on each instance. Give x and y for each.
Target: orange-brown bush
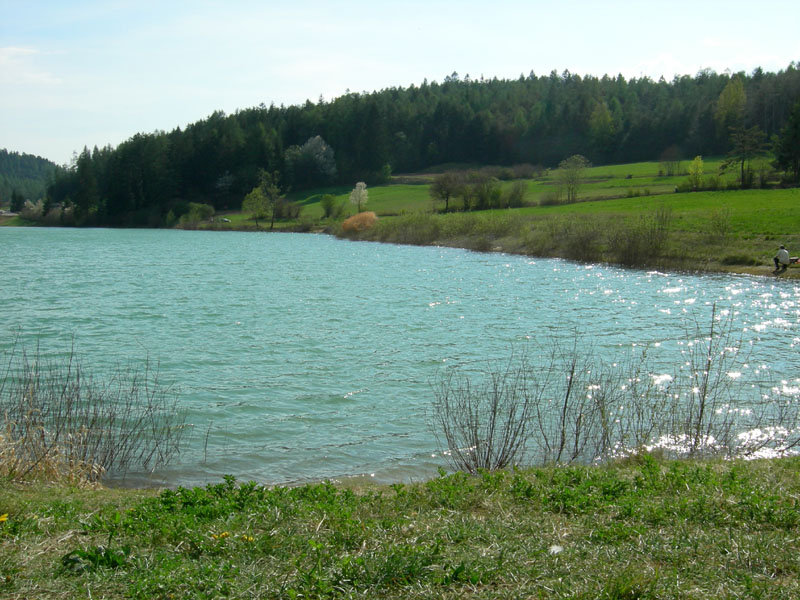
(360, 222)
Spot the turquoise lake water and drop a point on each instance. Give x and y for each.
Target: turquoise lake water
(299, 357)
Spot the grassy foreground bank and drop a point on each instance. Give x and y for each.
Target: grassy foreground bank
(638, 529)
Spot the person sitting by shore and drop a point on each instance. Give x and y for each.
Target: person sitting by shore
(781, 259)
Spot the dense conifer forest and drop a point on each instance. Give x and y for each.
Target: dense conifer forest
(23, 177)
(536, 119)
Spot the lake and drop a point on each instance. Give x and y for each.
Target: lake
(300, 357)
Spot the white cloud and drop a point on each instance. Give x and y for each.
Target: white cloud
(16, 67)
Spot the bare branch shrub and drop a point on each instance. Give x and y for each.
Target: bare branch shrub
(484, 425)
(564, 416)
(573, 407)
(720, 227)
(581, 239)
(640, 242)
(57, 422)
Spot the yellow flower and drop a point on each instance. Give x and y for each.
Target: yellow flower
(248, 538)
(3, 518)
(220, 536)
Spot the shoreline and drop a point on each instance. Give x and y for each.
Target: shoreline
(685, 266)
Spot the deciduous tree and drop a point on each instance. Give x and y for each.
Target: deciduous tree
(256, 204)
(265, 198)
(696, 173)
(670, 160)
(268, 182)
(359, 195)
(746, 144)
(570, 175)
(311, 164)
(444, 186)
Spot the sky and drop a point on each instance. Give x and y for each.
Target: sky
(86, 73)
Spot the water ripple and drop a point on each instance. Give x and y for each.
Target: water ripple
(301, 357)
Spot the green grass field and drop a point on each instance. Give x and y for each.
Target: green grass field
(641, 529)
(734, 230)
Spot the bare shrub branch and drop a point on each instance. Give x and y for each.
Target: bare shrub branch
(573, 407)
(484, 425)
(58, 422)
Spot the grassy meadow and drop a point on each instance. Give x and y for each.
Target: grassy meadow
(642, 528)
(736, 230)
(626, 214)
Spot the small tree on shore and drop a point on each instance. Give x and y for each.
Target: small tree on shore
(330, 207)
(670, 161)
(570, 175)
(696, 173)
(256, 204)
(445, 186)
(746, 144)
(265, 199)
(359, 195)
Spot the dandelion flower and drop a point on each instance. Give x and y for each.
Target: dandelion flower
(3, 518)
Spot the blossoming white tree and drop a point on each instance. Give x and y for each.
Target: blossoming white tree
(359, 195)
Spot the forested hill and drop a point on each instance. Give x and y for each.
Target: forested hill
(25, 174)
(364, 136)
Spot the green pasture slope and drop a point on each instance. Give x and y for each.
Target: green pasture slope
(730, 230)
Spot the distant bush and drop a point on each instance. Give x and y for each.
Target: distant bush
(196, 214)
(720, 227)
(739, 259)
(527, 171)
(713, 183)
(514, 196)
(305, 223)
(359, 222)
(484, 190)
(416, 228)
(551, 197)
(331, 208)
(637, 243)
(292, 210)
(31, 211)
(582, 240)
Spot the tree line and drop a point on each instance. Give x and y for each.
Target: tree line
(23, 176)
(538, 120)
